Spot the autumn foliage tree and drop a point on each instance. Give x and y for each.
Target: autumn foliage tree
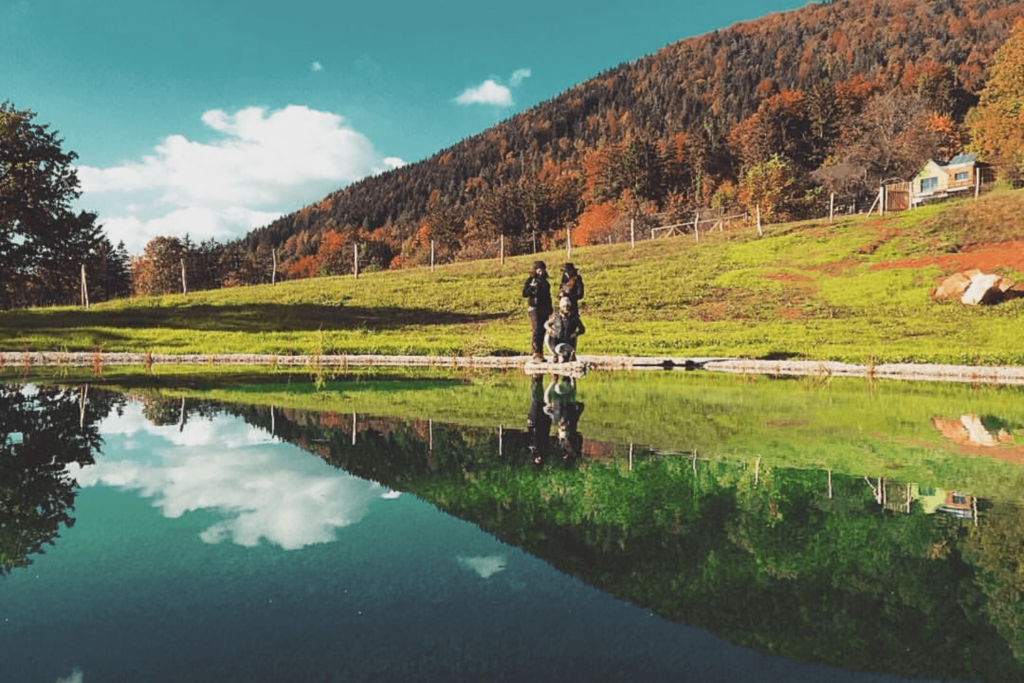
(767, 187)
(158, 269)
(996, 125)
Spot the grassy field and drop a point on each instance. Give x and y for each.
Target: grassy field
(857, 291)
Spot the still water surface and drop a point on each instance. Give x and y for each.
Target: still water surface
(194, 541)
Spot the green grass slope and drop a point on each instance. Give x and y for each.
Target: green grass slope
(857, 290)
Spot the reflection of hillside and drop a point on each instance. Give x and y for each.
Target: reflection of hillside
(792, 562)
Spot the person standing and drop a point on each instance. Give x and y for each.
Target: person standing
(571, 287)
(537, 292)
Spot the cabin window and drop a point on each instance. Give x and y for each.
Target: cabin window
(929, 184)
(962, 176)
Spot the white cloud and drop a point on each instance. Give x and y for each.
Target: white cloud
(492, 92)
(486, 567)
(316, 66)
(262, 488)
(519, 76)
(488, 92)
(261, 165)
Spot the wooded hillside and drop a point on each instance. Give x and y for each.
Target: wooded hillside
(776, 113)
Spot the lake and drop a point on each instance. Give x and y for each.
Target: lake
(619, 527)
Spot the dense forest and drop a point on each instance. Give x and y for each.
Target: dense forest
(775, 115)
(779, 112)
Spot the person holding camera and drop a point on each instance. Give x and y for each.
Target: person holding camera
(537, 292)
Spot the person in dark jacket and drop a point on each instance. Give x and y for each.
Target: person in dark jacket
(572, 286)
(537, 292)
(562, 331)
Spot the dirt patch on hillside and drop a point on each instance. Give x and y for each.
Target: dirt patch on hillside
(836, 268)
(985, 257)
(789, 277)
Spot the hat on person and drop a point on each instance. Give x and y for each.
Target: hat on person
(539, 264)
(569, 268)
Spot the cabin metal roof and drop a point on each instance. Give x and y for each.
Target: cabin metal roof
(962, 159)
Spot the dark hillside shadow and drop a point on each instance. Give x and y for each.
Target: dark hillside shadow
(251, 318)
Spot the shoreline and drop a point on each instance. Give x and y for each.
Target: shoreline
(1009, 375)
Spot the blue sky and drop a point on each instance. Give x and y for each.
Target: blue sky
(214, 117)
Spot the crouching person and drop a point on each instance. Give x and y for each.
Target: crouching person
(562, 331)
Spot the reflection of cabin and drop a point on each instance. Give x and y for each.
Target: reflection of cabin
(958, 505)
(899, 498)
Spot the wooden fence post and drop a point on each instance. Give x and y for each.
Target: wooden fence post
(831, 207)
(632, 234)
(881, 201)
(977, 183)
(273, 274)
(355, 261)
(85, 289)
(184, 283)
(431, 256)
(568, 245)
(696, 227)
(760, 232)
(501, 250)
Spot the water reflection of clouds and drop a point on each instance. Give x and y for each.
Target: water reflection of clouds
(265, 489)
(75, 677)
(486, 567)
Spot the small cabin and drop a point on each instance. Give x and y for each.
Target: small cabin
(937, 181)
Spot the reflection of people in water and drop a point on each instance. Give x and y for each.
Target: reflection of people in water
(560, 402)
(538, 422)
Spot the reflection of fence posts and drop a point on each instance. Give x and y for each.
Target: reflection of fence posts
(83, 401)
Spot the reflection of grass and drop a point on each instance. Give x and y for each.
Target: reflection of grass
(804, 290)
(853, 426)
